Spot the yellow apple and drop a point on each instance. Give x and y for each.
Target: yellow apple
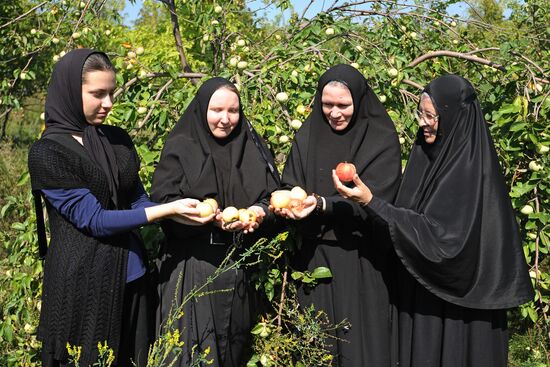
(280, 199)
(213, 203)
(247, 215)
(230, 214)
(205, 209)
(298, 193)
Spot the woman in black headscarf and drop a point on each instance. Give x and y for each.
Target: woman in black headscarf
(455, 233)
(95, 286)
(212, 152)
(347, 123)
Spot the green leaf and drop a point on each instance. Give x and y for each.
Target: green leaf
(321, 272)
(297, 275)
(532, 314)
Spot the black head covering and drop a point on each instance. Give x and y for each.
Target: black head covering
(65, 114)
(460, 240)
(369, 141)
(236, 171)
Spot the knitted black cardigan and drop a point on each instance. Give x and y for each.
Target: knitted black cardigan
(84, 276)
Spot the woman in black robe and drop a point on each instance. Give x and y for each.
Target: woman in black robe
(205, 158)
(455, 234)
(337, 234)
(96, 284)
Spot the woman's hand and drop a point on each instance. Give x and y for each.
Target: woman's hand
(298, 212)
(185, 212)
(360, 193)
(238, 225)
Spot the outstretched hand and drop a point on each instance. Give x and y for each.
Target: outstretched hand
(360, 193)
(186, 212)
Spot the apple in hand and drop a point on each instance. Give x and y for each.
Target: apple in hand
(230, 214)
(247, 216)
(213, 203)
(298, 193)
(205, 209)
(280, 199)
(345, 171)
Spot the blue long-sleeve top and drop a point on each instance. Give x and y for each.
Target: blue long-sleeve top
(84, 211)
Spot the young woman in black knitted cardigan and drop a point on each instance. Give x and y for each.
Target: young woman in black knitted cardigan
(95, 282)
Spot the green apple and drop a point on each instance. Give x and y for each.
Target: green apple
(296, 124)
(281, 97)
(527, 209)
(233, 61)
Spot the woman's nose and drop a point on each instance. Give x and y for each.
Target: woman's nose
(107, 102)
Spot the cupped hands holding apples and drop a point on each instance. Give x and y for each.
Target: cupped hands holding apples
(247, 220)
(292, 204)
(230, 219)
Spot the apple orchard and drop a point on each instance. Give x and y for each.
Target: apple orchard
(276, 61)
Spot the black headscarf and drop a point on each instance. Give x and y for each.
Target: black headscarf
(369, 141)
(237, 170)
(460, 240)
(65, 114)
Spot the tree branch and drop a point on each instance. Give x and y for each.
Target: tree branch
(23, 15)
(177, 36)
(159, 93)
(132, 81)
(458, 55)
(411, 83)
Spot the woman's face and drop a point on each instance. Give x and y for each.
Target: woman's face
(223, 112)
(428, 119)
(337, 106)
(97, 95)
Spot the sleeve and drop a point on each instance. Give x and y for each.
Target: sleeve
(140, 198)
(84, 211)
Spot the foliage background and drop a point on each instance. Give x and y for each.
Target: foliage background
(398, 46)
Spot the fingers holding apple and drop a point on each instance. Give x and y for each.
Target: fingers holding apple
(191, 212)
(360, 193)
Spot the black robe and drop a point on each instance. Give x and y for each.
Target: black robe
(455, 234)
(236, 171)
(356, 250)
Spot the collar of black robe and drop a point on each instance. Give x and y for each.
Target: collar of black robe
(65, 115)
(231, 170)
(466, 248)
(369, 133)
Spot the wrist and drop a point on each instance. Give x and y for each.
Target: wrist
(321, 204)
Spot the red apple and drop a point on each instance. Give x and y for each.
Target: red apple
(345, 171)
